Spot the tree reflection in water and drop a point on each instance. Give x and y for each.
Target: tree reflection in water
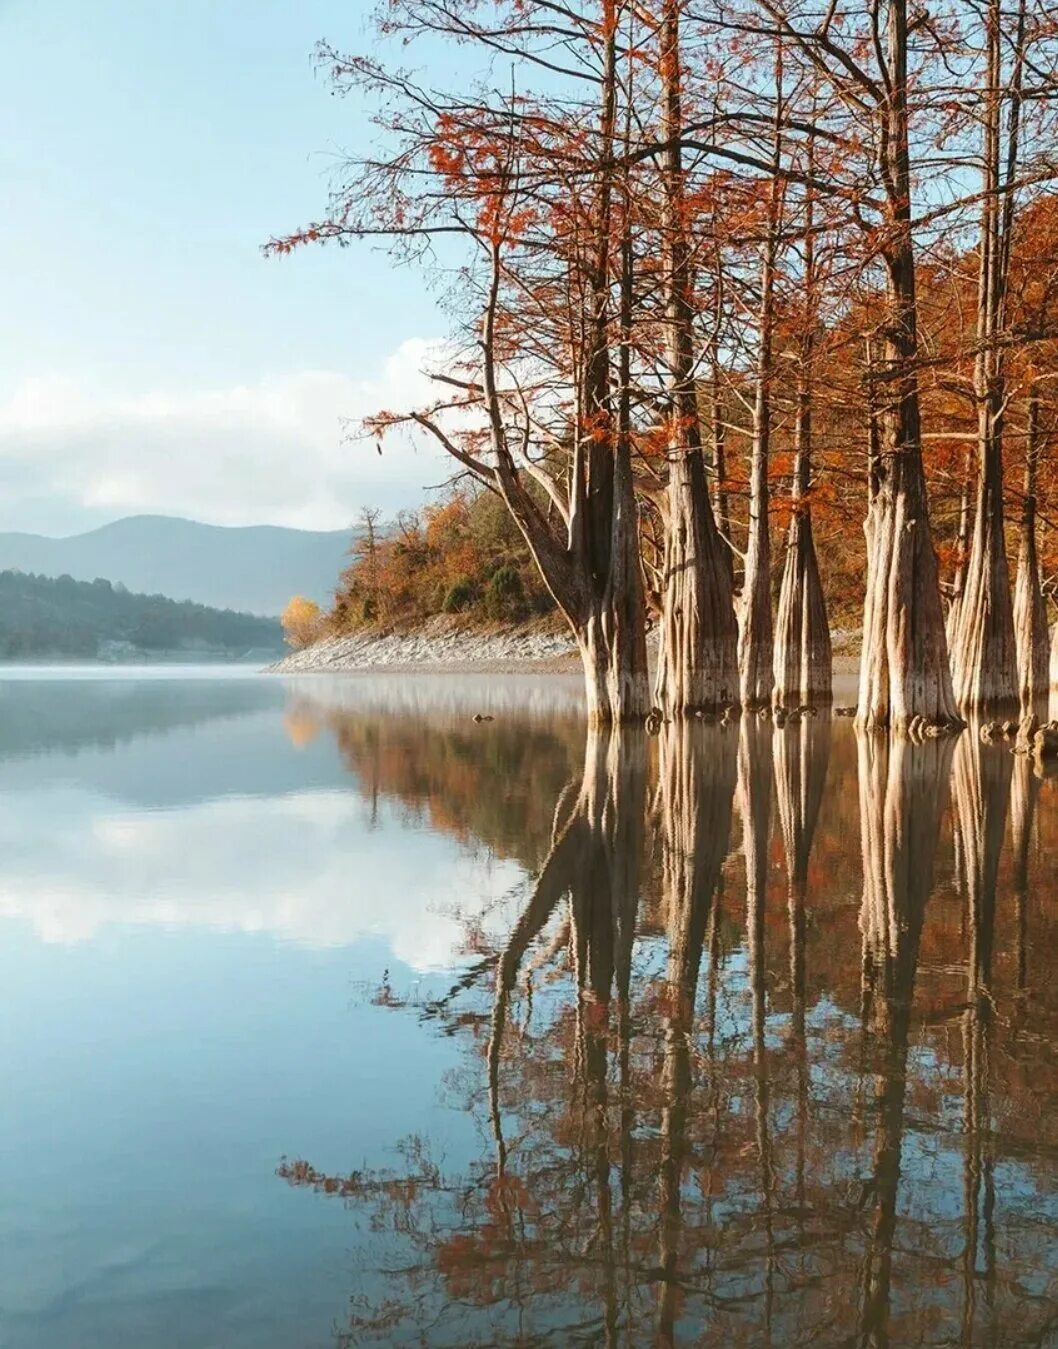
(713, 1113)
(901, 795)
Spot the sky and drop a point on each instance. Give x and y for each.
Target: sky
(151, 359)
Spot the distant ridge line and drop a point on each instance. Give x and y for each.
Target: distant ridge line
(249, 568)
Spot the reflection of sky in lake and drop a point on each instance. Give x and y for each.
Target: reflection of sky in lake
(310, 868)
(194, 910)
(234, 822)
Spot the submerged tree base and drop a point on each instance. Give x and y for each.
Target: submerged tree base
(698, 658)
(905, 677)
(616, 682)
(804, 656)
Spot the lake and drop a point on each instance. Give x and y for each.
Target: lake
(333, 1016)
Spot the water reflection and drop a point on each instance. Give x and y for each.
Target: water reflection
(697, 774)
(713, 1113)
(981, 787)
(1025, 791)
(734, 1035)
(243, 805)
(901, 796)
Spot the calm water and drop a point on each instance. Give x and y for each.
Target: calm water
(332, 1017)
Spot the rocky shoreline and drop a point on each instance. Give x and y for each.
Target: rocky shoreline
(436, 645)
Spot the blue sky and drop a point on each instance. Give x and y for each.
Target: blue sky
(152, 359)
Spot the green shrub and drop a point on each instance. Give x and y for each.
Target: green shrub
(460, 596)
(505, 596)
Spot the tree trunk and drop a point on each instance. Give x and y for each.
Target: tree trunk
(1030, 608)
(611, 548)
(722, 500)
(624, 599)
(613, 656)
(596, 578)
(962, 544)
(984, 656)
(1054, 673)
(803, 655)
(755, 634)
(905, 678)
(697, 656)
(623, 608)
(904, 672)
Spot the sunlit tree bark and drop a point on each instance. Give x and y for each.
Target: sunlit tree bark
(1031, 634)
(697, 663)
(984, 655)
(803, 655)
(904, 673)
(755, 628)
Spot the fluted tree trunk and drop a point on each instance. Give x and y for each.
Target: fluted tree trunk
(803, 654)
(722, 498)
(604, 531)
(570, 493)
(1054, 673)
(697, 660)
(904, 672)
(594, 572)
(755, 630)
(1030, 608)
(962, 544)
(984, 654)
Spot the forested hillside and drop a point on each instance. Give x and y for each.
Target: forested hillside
(461, 554)
(47, 617)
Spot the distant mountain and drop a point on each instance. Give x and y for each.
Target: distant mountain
(48, 617)
(254, 569)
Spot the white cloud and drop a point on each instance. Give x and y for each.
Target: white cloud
(274, 451)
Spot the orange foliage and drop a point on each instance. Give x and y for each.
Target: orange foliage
(302, 622)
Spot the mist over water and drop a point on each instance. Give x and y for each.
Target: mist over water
(333, 1016)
